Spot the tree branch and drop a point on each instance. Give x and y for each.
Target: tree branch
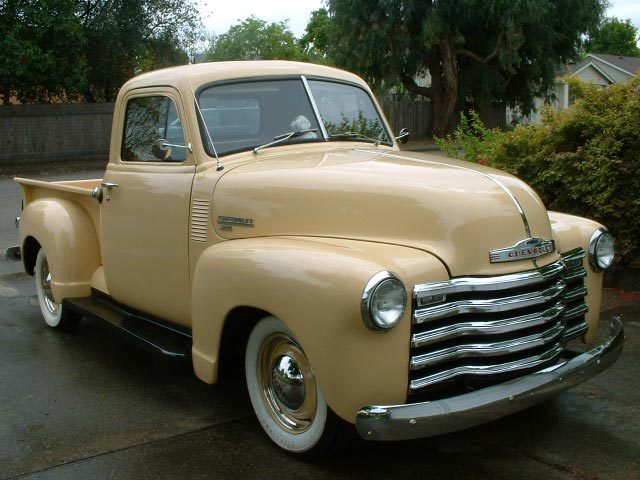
(478, 58)
(413, 87)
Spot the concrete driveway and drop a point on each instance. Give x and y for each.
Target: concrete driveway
(88, 405)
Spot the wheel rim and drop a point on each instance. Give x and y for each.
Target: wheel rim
(287, 384)
(45, 283)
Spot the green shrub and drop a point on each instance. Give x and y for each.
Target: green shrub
(584, 160)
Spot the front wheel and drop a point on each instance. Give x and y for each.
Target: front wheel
(55, 315)
(284, 393)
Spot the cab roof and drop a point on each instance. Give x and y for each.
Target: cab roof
(202, 73)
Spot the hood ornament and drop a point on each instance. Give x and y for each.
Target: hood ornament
(523, 250)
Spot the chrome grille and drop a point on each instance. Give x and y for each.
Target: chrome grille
(472, 332)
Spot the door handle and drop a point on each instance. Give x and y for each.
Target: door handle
(98, 194)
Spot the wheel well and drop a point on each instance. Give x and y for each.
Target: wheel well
(30, 249)
(237, 328)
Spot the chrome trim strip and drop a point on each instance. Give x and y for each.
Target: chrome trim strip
(489, 305)
(474, 350)
(314, 106)
(489, 284)
(425, 419)
(515, 201)
(484, 370)
(487, 328)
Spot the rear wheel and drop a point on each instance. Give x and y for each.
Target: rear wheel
(284, 392)
(55, 315)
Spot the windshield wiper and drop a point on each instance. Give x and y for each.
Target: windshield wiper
(354, 135)
(284, 137)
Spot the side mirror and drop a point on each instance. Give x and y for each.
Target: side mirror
(404, 136)
(161, 149)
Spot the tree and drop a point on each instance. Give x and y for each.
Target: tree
(615, 37)
(255, 39)
(127, 37)
(317, 41)
(41, 50)
(476, 51)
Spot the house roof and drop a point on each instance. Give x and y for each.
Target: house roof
(629, 65)
(604, 63)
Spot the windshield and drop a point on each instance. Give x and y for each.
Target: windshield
(259, 114)
(348, 112)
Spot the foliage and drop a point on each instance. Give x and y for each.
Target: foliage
(614, 37)
(471, 140)
(255, 39)
(41, 50)
(366, 127)
(58, 49)
(317, 41)
(126, 37)
(583, 160)
(476, 51)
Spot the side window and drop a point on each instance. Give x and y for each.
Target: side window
(149, 121)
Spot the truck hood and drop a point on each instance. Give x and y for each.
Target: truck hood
(456, 210)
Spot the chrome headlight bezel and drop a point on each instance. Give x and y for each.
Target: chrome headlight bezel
(599, 240)
(372, 318)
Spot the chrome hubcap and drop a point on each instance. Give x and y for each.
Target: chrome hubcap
(287, 384)
(45, 281)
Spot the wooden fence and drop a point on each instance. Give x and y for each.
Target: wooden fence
(32, 133)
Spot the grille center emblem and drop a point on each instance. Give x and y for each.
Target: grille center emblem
(523, 250)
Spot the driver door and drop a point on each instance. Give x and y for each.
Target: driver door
(145, 214)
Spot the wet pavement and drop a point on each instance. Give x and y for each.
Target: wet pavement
(88, 405)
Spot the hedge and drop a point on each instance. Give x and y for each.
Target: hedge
(583, 160)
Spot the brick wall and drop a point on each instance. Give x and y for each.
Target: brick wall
(38, 133)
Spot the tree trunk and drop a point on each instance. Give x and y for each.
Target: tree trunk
(6, 97)
(444, 77)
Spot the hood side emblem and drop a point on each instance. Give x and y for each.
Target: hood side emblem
(523, 250)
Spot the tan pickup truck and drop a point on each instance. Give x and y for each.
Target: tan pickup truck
(264, 209)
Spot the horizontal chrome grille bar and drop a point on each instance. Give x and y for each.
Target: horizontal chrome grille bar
(576, 311)
(505, 347)
(505, 304)
(488, 284)
(482, 370)
(575, 331)
(490, 327)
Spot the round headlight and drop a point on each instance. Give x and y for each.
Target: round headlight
(384, 301)
(601, 250)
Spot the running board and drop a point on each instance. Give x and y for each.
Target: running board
(154, 335)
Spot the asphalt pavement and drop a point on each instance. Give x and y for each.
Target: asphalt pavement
(88, 405)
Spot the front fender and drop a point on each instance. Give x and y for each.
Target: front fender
(315, 287)
(66, 233)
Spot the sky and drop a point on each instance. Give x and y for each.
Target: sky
(220, 15)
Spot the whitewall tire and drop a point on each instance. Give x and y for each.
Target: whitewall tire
(284, 392)
(54, 314)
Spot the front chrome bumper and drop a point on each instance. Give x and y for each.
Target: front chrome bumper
(401, 422)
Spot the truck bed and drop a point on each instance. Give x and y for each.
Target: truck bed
(78, 191)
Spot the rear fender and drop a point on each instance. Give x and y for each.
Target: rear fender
(66, 233)
(315, 287)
